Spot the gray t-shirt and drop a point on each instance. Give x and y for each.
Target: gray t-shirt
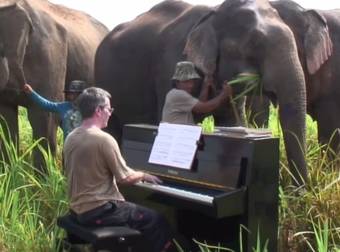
(178, 107)
(93, 166)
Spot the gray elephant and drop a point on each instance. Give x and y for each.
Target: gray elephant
(136, 60)
(45, 45)
(317, 35)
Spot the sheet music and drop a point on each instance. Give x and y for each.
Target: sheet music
(175, 145)
(243, 132)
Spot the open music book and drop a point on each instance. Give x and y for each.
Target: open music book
(243, 132)
(175, 145)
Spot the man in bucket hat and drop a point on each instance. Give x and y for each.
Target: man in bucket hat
(69, 114)
(179, 103)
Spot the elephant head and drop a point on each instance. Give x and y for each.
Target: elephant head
(15, 28)
(245, 35)
(311, 33)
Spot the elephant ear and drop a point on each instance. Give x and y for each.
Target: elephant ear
(201, 45)
(318, 44)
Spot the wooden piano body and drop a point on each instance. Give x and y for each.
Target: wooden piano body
(231, 192)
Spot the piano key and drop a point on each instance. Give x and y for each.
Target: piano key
(205, 199)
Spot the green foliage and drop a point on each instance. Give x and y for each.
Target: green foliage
(204, 247)
(319, 202)
(208, 124)
(29, 201)
(251, 82)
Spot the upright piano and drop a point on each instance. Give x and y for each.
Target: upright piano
(229, 197)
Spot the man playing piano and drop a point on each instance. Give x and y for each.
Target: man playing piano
(94, 167)
(179, 103)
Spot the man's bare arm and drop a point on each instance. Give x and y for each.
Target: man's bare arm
(209, 106)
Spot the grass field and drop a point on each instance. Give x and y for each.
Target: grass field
(29, 203)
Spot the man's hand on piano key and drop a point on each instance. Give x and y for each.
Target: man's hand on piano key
(151, 179)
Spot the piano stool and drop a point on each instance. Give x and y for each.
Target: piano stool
(115, 239)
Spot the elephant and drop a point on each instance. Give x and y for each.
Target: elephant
(136, 60)
(317, 37)
(46, 45)
(317, 33)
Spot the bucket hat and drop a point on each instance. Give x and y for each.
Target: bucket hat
(75, 86)
(185, 70)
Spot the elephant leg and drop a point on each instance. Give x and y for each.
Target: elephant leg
(257, 110)
(51, 58)
(327, 116)
(43, 125)
(9, 124)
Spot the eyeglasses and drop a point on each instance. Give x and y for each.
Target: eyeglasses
(108, 109)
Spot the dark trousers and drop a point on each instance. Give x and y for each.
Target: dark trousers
(151, 224)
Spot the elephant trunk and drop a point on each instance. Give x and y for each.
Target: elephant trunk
(4, 73)
(286, 80)
(17, 78)
(293, 126)
(14, 45)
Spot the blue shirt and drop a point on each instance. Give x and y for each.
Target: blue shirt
(69, 115)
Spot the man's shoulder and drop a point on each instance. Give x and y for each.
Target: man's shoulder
(107, 141)
(103, 135)
(178, 93)
(93, 135)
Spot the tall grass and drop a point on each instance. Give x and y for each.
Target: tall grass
(309, 218)
(29, 203)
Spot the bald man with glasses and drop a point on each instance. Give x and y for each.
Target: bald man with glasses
(95, 167)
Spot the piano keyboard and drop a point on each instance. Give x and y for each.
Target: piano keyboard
(202, 198)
